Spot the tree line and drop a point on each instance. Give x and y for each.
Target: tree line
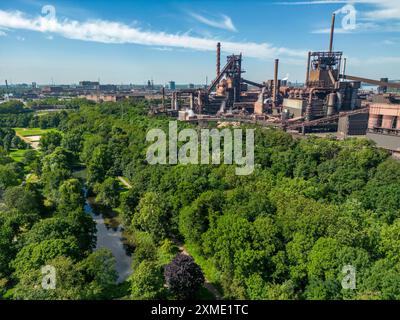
(311, 207)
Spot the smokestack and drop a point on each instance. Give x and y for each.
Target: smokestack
(332, 32)
(344, 66)
(275, 97)
(218, 59)
(308, 68)
(163, 99)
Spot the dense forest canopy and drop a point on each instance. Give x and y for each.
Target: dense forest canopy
(311, 207)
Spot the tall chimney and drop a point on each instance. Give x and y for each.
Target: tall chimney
(275, 93)
(332, 32)
(218, 59)
(163, 99)
(308, 68)
(344, 66)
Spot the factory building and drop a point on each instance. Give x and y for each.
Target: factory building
(384, 122)
(172, 85)
(89, 85)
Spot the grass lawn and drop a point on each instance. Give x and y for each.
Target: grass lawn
(27, 132)
(210, 271)
(18, 155)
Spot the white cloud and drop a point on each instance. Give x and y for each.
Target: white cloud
(359, 27)
(379, 16)
(2, 34)
(298, 3)
(373, 61)
(224, 22)
(389, 42)
(162, 49)
(328, 30)
(50, 37)
(384, 9)
(118, 33)
(19, 38)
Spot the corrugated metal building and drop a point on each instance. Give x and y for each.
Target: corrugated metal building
(384, 125)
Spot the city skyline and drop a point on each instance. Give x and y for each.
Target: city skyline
(163, 41)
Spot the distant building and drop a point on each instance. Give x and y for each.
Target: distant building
(89, 85)
(108, 87)
(191, 86)
(394, 90)
(150, 85)
(172, 85)
(384, 124)
(110, 97)
(383, 89)
(103, 97)
(52, 89)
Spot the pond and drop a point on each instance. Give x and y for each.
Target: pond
(110, 238)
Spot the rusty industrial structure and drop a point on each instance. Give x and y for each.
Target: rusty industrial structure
(329, 101)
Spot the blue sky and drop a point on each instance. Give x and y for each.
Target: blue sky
(132, 41)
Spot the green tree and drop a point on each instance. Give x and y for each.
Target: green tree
(108, 193)
(129, 202)
(194, 220)
(50, 141)
(30, 156)
(98, 164)
(152, 216)
(36, 255)
(8, 176)
(22, 199)
(70, 196)
(69, 282)
(99, 274)
(147, 282)
(56, 168)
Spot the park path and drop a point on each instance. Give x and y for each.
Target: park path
(34, 144)
(207, 284)
(125, 182)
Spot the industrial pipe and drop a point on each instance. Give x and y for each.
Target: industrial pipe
(370, 81)
(332, 77)
(252, 83)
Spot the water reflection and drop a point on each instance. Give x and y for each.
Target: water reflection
(112, 239)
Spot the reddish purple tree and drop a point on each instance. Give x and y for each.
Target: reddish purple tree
(183, 276)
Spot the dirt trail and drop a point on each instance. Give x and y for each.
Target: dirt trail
(125, 182)
(28, 139)
(209, 286)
